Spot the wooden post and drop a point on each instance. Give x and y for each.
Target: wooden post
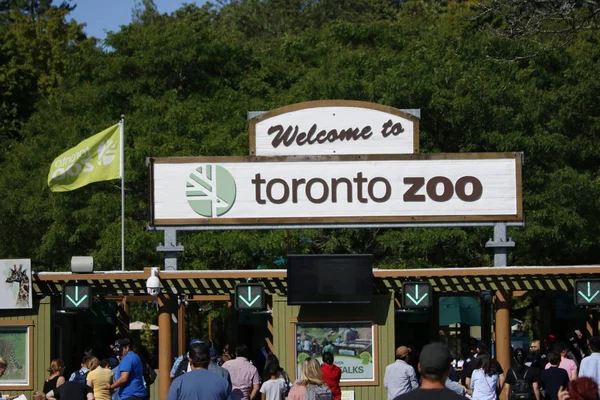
(164, 345)
(591, 323)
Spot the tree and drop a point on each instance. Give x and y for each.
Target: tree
(553, 22)
(185, 82)
(33, 62)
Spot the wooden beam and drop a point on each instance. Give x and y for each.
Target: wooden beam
(209, 297)
(519, 293)
(574, 270)
(96, 276)
(486, 271)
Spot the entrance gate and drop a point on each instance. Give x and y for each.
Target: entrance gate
(504, 283)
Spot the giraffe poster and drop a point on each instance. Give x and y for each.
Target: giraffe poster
(15, 284)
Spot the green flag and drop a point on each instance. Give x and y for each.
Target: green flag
(95, 159)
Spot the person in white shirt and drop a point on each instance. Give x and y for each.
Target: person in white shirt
(400, 377)
(274, 388)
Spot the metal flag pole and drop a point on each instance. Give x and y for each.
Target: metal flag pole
(122, 173)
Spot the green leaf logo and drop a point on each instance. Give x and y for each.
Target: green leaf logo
(210, 190)
(365, 358)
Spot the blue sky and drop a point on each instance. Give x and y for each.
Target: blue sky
(102, 16)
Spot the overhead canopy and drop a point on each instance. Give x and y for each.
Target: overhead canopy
(447, 281)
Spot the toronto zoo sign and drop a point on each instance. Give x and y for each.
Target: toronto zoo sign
(342, 189)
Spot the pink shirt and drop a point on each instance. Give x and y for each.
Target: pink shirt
(566, 364)
(297, 392)
(244, 376)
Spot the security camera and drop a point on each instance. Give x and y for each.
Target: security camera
(153, 283)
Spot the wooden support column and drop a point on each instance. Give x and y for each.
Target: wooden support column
(591, 323)
(502, 333)
(270, 339)
(164, 345)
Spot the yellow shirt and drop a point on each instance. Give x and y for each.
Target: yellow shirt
(100, 377)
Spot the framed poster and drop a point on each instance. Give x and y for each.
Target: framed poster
(351, 344)
(15, 347)
(15, 284)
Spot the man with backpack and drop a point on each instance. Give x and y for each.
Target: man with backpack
(522, 381)
(81, 375)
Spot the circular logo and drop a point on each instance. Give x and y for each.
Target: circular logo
(210, 190)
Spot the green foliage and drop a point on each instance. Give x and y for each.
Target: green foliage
(185, 82)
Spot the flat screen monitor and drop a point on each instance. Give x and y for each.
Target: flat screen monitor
(317, 279)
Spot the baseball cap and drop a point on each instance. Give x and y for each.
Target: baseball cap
(123, 342)
(435, 359)
(112, 362)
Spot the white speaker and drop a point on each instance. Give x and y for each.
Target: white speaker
(82, 264)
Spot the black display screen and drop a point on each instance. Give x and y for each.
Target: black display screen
(314, 279)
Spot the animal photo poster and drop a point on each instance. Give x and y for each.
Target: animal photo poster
(15, 284)
(351, 344)
(15, 350)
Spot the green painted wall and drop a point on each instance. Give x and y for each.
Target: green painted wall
(41, 316)
(380, 311)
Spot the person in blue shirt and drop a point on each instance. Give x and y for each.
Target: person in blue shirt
(199, 383)
(130, 382)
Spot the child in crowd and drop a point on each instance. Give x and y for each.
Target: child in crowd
(37, 395)
(274, 388)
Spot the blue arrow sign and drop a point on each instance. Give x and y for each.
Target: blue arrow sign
(589, 296)
(249, 301)
(249, 296)
(77, 297)
(77, 300)
(586, 292)
(417, 299)
(416, 295)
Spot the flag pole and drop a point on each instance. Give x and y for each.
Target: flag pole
(122, 173)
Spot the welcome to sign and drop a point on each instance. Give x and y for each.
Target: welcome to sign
(334, 127)
(336, 190)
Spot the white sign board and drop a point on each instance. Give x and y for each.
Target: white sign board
(334, 128)
(240, 190)
(15, 284)
(347, 394)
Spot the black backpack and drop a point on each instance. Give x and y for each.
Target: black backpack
(182, 368)
(286, 379)
(521, 389)
(149, 374)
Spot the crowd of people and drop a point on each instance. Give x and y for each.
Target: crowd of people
(201, 375)
(122, 376)
(559, 372)
(562, 372)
